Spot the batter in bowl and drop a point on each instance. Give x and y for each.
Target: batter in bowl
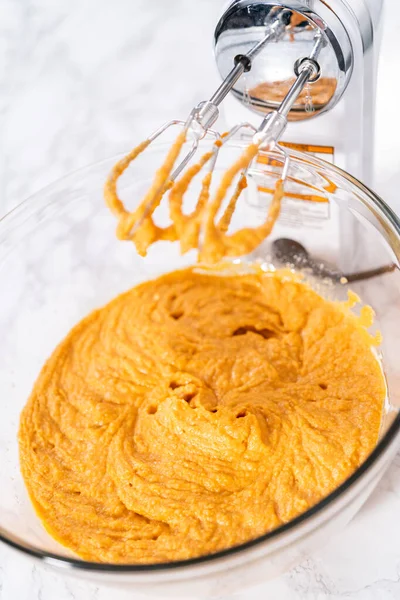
(198, 411)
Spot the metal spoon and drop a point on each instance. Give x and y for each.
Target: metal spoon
(289, 251)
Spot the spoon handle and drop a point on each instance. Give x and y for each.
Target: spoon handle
(362, 275)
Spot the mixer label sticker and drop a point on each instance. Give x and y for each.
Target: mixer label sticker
(326, 152)
(297, 213)
(306, 207)
(304, 204)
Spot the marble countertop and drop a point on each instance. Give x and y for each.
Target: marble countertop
(79, 81)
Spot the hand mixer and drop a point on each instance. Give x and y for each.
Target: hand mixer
(323, 46)
(139, 226)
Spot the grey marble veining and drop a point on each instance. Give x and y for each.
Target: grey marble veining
(82, 80)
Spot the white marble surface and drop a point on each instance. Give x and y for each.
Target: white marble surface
(79, 81)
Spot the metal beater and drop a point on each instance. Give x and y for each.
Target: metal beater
(199, 124)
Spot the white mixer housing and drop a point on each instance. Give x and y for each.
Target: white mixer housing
(342, 130)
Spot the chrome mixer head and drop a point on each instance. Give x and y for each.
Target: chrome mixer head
(241, 27)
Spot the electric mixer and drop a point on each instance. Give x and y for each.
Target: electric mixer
(289, 62)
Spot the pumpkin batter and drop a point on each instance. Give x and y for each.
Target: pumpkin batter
(197, 411)
(139, 226)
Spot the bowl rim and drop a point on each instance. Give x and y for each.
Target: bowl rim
(383, 445)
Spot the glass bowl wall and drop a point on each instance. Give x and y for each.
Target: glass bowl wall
(59, 259)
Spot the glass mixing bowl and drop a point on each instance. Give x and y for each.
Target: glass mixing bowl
(59, 259)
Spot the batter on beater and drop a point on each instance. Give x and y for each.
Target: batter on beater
(139, 227)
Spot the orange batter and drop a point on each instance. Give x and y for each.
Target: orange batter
(139, 226)
(198, 411)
